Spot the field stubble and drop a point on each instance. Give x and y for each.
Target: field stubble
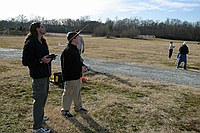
(115, 103)
(152, 52)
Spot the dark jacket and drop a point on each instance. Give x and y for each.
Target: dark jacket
(71, 64)
(33, 51)
(184, 49)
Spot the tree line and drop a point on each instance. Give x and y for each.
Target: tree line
(128, 27)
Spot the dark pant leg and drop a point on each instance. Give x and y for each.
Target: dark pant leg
(170, 53)
(185, 61)
(40, 93)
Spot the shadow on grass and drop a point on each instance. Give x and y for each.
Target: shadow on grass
(190, 68)
(93, 124)
(111, 76)
(95, 127)
(80, 126)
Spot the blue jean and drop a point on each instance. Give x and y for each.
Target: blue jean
(40, 92)
(182, 58)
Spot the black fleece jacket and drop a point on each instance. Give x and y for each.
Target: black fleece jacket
(70, 63)
(184, 49)
(33, 51)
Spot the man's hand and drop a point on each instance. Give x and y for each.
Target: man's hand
(45, 59)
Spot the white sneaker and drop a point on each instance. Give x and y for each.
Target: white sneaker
(42, 130)
(45, 118)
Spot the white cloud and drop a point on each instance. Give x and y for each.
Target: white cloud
(178, 4)
(56, 9)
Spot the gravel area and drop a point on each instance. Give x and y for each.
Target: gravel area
(172, 76)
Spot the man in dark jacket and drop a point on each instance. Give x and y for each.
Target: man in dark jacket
(71, 72)
(35, 56)
(182, 55)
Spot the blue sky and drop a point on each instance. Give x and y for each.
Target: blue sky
(157, 10)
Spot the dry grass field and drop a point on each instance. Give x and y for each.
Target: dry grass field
(151, 52)
(116, 104)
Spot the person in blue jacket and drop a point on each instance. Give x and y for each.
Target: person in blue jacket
(182, 55)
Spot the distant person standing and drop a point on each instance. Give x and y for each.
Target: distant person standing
(171, 47)
(81, 45)
(182, 55)
(36, 57)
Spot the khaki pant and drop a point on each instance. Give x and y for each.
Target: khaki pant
(72, 92)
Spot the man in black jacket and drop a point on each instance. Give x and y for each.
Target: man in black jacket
(71, 72)
(36, 57)
(182, 55)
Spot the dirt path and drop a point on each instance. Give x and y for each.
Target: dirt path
(180, 77)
